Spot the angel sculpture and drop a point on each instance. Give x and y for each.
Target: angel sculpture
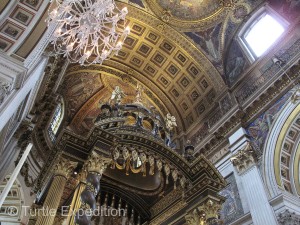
(117, 94)
(170, 122)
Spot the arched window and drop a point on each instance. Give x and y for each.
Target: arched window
(56, 121)
(261, 32)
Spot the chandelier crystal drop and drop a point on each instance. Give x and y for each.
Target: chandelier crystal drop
(89, 31)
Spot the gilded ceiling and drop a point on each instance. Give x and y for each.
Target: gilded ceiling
(177, 50)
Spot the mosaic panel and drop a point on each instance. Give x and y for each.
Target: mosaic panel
(232, 208)
(259, 128)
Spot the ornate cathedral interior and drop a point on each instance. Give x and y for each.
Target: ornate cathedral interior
(194, 121)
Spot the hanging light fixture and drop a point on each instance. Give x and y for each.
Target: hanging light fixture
(88, 31)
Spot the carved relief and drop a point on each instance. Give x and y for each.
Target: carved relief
(5, 89)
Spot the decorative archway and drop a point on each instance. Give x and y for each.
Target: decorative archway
(281, 152)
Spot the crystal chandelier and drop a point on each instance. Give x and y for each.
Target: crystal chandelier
(87, 31)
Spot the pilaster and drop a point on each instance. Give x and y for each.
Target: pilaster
(244, 161)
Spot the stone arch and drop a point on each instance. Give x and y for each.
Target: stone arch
(281, 152)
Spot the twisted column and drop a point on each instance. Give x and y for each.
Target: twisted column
(95, 165)
(61, 173)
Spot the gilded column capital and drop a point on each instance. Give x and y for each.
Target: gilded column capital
(64, 167)
(244, 158)
(97, 163)
(195, 218)
(210, 209)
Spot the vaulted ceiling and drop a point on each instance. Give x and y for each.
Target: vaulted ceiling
(176, 49)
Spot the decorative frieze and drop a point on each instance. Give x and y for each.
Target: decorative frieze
(244, 158)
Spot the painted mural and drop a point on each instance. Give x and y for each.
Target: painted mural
(209, 42)
(232, 208)
(235, 64)
(259, 128)
(190, 9)
(77, 88)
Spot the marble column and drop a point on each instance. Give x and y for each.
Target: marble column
(61, 173)
(95, 166)
(244, 161)
(15, 174)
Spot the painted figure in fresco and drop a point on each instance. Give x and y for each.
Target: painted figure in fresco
(117, 95)
(209, 41)
(235, 68)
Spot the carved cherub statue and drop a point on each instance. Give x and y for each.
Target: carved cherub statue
(117, 95)
(170, 122)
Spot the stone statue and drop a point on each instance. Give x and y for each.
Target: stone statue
(117, 95)
(139, 93)
(170, 122)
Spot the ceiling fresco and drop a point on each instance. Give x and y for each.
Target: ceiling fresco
(189, 9)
